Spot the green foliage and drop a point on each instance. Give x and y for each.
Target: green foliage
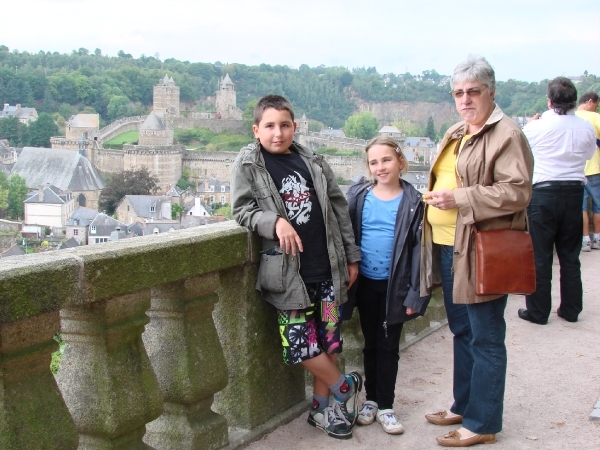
(128, 182)
(15, 131)
(224, 210)
(205, 139)
(41, 130)
(362, 126)
(408, 128)
(3, 193)
(57, 355)
(17, 193)
(176, 211)
(314, 126)
(430, 130)
(118, 106)
(248, 116)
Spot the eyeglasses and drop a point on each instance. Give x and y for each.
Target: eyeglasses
(473, 92)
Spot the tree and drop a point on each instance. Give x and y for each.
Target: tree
(176, 211)
(14, 131)
(408, 128)
(248, 116)
(362, 126)
(430, 130)
(17, 193)
(118, 107)
(225, 211)
(128, 182)
(41, 130)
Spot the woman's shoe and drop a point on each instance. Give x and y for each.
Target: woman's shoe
(366, 416)
(454, 439)
(441, 418)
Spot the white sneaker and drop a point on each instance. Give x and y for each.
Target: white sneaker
(586, 246)
(390, 423)
(596, 244)
(366, 416)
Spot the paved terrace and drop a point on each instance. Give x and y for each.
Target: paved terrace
(169, 347)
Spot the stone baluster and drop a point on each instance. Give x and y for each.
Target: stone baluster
(105, 375)
(188, 360)
(32, 411)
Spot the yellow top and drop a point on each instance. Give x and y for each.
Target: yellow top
(443, 223)
(592, 167)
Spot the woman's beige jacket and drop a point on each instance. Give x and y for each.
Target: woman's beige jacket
(495, 168)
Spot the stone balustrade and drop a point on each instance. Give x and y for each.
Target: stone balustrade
(168, 346)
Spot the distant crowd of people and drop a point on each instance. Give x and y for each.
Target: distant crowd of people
(384, 247)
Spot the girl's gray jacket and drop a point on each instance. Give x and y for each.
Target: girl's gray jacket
(404, 280)
(256, 204)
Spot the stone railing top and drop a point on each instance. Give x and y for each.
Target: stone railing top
(44, 282)
(119, 122)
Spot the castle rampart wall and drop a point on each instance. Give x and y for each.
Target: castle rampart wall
(120, 126)
(163, 161)
(216, 125)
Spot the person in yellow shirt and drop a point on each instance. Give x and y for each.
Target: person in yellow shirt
(588, 104)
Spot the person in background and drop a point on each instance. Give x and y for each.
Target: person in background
(481, 176)
(588, 105)
(387, 216)
(561, 144)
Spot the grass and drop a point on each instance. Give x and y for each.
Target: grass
(204, 139)
(129, 137)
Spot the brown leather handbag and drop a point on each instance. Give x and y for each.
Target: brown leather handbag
(504, 262)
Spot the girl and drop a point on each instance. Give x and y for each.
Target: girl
(386, 214)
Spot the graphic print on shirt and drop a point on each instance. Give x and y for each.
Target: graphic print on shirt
(296, 197)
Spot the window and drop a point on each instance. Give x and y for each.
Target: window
(93, 229)
(75, 232)
(152, 209)
(222, 199)
(211, 199)
(100, 240)
(202, 198)
(222, 188)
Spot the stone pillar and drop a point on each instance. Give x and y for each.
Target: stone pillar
(188, 360)
(32, 411)
(105, 375)
(261, 386)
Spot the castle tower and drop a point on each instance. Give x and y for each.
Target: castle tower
(226, 106)
(302, 125)
(166, 97)
(156, 130)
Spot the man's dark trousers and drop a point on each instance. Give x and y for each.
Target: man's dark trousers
(555, 221)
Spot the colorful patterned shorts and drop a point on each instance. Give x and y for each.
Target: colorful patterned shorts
(306, 333)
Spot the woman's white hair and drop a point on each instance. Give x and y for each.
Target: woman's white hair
(475, 68)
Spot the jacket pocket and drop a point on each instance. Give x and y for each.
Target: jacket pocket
(272, 269)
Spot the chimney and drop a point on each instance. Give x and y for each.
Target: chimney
(40, 193)
(197, 205)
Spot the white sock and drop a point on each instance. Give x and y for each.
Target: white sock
(587, 238)
(596, 236)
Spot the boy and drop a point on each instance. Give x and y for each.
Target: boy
(289, 195)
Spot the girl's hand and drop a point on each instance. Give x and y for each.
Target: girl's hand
(410, 311)
(352, 273)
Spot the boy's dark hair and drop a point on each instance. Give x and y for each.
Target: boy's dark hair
(562, 95)
(587, 97)
(272, 101)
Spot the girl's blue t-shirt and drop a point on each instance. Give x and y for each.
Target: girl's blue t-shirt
(377, 240)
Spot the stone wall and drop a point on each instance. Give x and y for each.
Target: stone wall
(7, 225)
(209, 164)
(163, 162)
(107, 160)
(120, 126)
(216, 125)
(314, 140)
(167, 345)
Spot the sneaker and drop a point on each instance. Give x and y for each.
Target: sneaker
(586, 246)
(366, 416)
(349, 407)
(595, 244)
(332, 422)
(389, 421)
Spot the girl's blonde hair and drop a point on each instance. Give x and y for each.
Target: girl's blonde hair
(391, 143)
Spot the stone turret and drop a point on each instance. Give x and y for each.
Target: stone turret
(226, 100)
(166, 97)
(302, 125)
(156, 130)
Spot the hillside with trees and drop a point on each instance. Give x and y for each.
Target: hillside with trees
(117, 86)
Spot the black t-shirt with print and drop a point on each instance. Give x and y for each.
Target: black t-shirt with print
(295, 185)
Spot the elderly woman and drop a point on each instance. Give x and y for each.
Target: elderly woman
(481, 176)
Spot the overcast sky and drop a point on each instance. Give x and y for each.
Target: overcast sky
(524, 40)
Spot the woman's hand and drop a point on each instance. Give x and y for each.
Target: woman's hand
(442, 199)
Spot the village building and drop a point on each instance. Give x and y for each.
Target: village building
(140, 208)
(101, 228)
(65, 169)
(8, 154)
(49, 206)
(77, 227)
(423, 147)
(25, 115)
(391, 131)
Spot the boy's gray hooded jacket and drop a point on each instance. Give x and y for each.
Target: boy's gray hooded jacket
(256, 204)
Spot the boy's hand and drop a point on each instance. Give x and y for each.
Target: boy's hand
(289, 240)
(352, 273)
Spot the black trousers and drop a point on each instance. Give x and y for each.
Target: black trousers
(556, 221)
(381, 353)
